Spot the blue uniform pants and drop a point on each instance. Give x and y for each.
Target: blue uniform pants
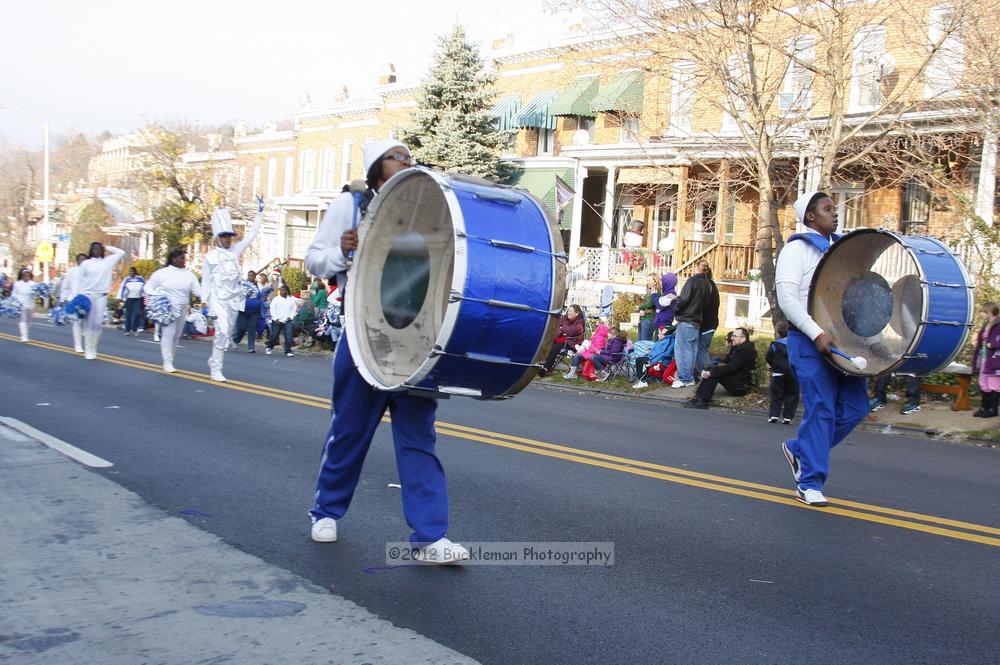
(358, 409)
(833, 404)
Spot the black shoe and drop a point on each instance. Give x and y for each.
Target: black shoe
(251, 351)
(980, 413)
(696, 404)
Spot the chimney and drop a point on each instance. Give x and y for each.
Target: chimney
(388, 78)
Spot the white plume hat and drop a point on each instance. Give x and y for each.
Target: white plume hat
(376, 149)
(222, 223)
(802, 203)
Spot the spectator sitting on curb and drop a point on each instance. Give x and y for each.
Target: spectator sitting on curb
(735, 372)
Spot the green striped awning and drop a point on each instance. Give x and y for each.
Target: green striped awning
(576, 99)
(542, 183)
(536, 112)
(506, 109)
(622, 94)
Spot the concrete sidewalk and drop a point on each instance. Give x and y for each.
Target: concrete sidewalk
(91, 573)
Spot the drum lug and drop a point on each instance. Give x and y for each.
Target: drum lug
(946, 323)
(944, 284)
(914, 356)
(500, 196)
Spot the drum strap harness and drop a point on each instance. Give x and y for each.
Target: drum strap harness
(819, 241)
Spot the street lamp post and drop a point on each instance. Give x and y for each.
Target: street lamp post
(45, 202)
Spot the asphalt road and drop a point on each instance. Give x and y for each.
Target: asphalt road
(714, 562)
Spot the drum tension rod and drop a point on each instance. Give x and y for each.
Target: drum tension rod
(437, 351)
(915, 356)
(456, 296)
(946, 323)
(562, 257)
(945, 284)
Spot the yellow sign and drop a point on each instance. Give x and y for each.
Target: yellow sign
(45, 252)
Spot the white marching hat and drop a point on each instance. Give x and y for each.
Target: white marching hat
(376, 149)
(222, 223)
(802, 203)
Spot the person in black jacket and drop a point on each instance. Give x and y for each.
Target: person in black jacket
(735, 372)
(709, 320)
(784, 387)
(690, 306)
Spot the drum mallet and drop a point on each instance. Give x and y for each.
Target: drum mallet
(857, 361)
(357, 188)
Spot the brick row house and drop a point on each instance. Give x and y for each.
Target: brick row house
(604, 138)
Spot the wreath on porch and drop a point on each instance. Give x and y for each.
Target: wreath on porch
(636, 261)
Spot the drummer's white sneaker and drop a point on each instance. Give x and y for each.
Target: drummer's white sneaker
(792, 460)
(443, 552)
(811, 497)
(570, 374)
(324, 530)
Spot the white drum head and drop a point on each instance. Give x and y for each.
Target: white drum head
(399, 285)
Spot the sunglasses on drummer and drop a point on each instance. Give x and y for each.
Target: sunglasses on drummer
(400, 157)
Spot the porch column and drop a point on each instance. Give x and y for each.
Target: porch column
(574, 232)
(608, 224)
(722, 202)
(681, 215)
(986, 193)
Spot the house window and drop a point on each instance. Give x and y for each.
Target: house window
(944, 70)
(241, 192)
(916, 211)
(307, 171)
(289, 170)
(664, 221)
(629, 132)
(735, 104)
(256, 180)
(272, 176)
(797, 87)
(326, 168)
(345, 169)
(546, 140)
(705, 216)
(867, 69)
(588, 124)
(682, 98)
(623, 217)
(849, 203)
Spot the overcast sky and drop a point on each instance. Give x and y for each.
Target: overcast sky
(110, 64)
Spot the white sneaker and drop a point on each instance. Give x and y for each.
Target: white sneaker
(570, 374)
(267, 352)
(604, 375)
(680, 384)
(793, 461)
(639, 384)
(811, 497)
(442, 552)
(324, 530)
(772, 419)
(290, 355)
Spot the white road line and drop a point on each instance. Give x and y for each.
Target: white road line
(81, 456)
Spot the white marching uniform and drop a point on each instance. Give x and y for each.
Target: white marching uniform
(177, 284)
(23, 292)
(69, 289)
(94, 281)
(220, 288)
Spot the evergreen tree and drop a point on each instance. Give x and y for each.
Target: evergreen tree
(455, 129)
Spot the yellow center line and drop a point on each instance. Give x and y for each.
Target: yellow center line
(623, 464)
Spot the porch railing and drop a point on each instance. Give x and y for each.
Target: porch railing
(729, 262)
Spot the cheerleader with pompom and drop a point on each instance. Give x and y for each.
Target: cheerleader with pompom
(69, 288)
(177, 283)
(24, 292)
(94, 281)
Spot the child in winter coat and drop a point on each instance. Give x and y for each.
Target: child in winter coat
(611, 353)
(986, 360)
(784, 387)
(666, 301)
(597, 342)
(661, 352)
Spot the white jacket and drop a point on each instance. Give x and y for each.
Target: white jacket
(220, 274)
(177, 284)
(22, 291)
(283, 309)
(94, 276)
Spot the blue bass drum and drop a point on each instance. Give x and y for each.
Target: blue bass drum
(904, 303)
(456, 289)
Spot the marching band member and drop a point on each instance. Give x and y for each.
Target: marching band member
(177, 283)
(220, 282)
(93, 281)
(24, 291)
(358, 408)
(68, 289)
(833, 402)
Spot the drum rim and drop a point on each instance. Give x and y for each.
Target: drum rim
(459, 274)
(848, 368)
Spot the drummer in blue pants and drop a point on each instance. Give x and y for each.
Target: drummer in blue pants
(834, 402)
(358, 407)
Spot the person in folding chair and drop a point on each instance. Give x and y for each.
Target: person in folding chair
(571, 330)
(660, 352)
(611, 355)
